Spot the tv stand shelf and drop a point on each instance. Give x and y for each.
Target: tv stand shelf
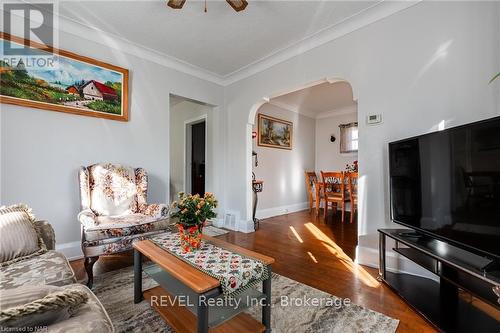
(439, 302)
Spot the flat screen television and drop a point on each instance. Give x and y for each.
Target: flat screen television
(446, 184)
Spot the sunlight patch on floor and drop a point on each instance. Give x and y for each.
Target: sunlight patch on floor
(313, 258)
(329, 244)
(296, 234)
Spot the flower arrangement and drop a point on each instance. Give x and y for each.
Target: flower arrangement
(352, 167)
(192, 212)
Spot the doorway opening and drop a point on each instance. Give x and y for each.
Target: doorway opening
(195, 152)
(190, 146)
(304, 138)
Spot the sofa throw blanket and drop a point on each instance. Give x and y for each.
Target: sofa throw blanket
(235, 272)
(44, 305)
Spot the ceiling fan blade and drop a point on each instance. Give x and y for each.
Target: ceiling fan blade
(238, 5)
(176, 4)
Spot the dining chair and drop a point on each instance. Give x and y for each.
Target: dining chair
(313, 194)
(352, 181)
(334, 191)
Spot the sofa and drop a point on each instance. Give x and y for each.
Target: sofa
(44, 269)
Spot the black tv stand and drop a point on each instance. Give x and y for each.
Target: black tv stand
(411, 234)
(440, 303)
(493, 266)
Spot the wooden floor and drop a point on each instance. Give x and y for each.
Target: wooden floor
(314, 253)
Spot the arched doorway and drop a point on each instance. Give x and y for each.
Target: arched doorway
(316, 114)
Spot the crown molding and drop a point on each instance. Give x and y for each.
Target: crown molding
(372, 14)
(93, 34)
(338, 112)
(357, 21)
(125, 45)
(350, 109)
(292, 108)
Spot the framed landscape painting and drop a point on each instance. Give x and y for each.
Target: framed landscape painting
(274, 132)
(58, 80)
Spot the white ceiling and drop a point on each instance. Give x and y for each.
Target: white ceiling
(220, 41)
(324, 99)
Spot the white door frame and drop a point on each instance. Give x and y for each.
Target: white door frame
(188, 124)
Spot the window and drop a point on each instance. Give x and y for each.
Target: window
(349, 138)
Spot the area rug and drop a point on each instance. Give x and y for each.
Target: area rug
(115, 291)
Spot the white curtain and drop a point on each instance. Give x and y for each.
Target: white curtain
(349, 138)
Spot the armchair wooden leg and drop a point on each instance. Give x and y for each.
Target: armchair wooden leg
(89, 265)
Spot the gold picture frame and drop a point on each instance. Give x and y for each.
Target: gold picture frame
(102, 92)
(274, 132)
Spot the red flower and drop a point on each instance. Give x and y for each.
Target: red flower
(232, 282)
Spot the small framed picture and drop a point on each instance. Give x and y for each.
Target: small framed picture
(274, 132)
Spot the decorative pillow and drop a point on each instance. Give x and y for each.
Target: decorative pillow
(18, 235)
(113, 189)
(32, 306)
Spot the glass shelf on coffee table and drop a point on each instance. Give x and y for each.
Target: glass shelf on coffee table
(190, 300)
(223, 308)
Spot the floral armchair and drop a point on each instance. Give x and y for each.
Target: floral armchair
(114, 211)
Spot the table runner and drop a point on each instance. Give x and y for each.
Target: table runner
(234, 271)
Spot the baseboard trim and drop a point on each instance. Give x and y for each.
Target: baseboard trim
(72, 250)
(281, 210)
(246, 226)
(395, 263)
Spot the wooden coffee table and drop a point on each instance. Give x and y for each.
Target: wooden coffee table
(183, 286)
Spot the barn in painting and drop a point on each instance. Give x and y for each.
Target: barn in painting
(97, 91)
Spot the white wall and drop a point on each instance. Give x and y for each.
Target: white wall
(179, 114)
(328, 156)
(428, 63)
(282, 170)
(41, 151)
